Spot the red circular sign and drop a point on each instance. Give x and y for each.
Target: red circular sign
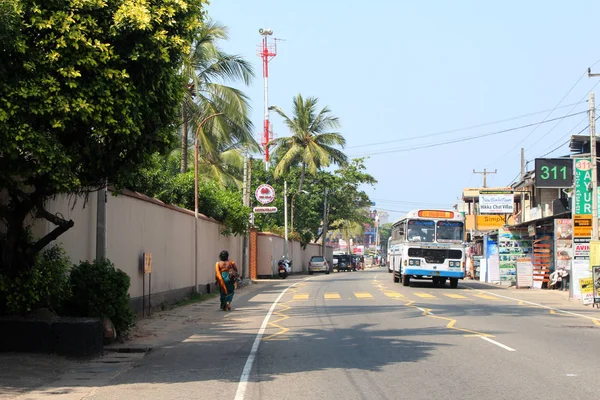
(265, 194)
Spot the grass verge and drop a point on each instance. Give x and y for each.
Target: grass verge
(192, 299)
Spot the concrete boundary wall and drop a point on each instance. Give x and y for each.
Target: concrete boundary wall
(137, 224)
(270, 249)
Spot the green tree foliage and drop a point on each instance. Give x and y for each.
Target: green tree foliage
(311, 144)
(159, 178)
(345, 197)
(100, 290)
(45, 286)
(88, 90)
(206, 70)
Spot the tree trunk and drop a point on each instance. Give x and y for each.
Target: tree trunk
(17, 252)
(302, 174)
(184, 143)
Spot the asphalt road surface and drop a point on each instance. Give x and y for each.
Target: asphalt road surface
(357, 335)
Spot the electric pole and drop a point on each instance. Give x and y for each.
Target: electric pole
(485, 174)
(594, 168)
(324, 223)
(594, 161)
(522, 163)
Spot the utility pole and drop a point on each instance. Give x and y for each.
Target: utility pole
(324, 223)
(594, 161)
(485, 174)
(285, 220)
(522, 163)
(594, 168)
(101, 222)
(246, 203)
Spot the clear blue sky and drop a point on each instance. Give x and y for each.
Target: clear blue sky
(396, 70)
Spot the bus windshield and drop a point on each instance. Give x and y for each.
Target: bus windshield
(421, 231)
(449, 231)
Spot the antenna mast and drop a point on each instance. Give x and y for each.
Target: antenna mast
(267, 51)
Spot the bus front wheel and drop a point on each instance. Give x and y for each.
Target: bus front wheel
(405, 280)
(453, 283)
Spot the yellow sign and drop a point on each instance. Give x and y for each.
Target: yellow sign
(587, 290)
(582, 225)
(147, 263)
(489, 222)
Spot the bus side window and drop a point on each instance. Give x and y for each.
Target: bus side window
(401, 231)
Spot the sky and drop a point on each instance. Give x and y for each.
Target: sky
(408, 78)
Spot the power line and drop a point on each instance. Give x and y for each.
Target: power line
(464, 139)
(459, 129)
(570, 130)
(567, 141)
(558, 123)
(405, 202)
(538, 125)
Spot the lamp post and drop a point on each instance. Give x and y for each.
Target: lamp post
(196, 197)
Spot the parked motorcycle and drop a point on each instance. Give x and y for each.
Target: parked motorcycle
(285, 268)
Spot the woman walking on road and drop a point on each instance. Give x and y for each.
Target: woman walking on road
(226, 273)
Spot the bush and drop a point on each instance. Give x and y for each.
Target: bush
(46, 285)
(101, 290)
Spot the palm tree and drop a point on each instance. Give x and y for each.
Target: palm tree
(312, 143)
(348, 229)
(204, 70)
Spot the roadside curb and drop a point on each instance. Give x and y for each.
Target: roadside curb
(129, 348)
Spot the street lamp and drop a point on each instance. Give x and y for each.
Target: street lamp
(204, 121)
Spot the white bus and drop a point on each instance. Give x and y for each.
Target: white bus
(428, 244)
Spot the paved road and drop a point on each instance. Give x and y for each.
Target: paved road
(360, 336)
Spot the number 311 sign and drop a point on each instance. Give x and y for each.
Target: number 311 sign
(553, 172)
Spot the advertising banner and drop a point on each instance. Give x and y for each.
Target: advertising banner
(496, 202)
(596, 277)
(563, 243)
(586, 286)
(513, 244)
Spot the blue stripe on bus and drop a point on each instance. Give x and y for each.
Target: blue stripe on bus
(427, 272)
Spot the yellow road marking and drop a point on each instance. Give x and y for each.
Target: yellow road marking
(302, 296)
(451, 326)
(487, 297)
(596, 322)
(282, 329)
(394, 295)
(451, 322)
(333, 296)
(425, 295)
(455, 296)
(363, 295)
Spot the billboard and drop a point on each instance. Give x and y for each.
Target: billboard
(496, 202)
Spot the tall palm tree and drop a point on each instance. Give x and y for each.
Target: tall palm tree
(312, 142)
(205, 71)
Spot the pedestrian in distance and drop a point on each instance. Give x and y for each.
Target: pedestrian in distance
(226, 273)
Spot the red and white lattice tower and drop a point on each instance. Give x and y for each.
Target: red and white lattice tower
(266, 51)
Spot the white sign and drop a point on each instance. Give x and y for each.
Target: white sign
(524, 273)
(265, 210)
(265, 194)
(496, 202)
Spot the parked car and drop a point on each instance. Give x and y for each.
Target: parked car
(344, 263)
(318, 264)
